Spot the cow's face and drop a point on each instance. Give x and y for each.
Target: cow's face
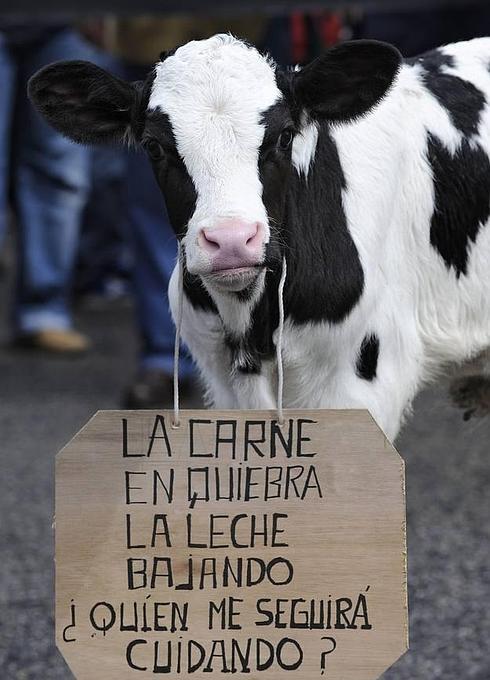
(206, 133)
(219, 122)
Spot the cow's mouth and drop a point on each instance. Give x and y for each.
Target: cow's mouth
(234, 279)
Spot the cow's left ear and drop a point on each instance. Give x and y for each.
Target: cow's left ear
(348, 80)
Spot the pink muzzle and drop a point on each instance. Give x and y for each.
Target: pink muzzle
(233, 244)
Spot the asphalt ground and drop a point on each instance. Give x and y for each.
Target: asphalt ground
(44, 401)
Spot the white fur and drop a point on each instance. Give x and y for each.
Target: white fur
(304, 147)
(237, 317)
(423, 314)
(214, 92)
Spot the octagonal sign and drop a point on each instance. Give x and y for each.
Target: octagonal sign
(230, 545)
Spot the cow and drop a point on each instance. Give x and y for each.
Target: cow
(367, 174)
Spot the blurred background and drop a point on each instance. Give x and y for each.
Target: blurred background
(86, 251)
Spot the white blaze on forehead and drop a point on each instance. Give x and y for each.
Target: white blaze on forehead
(214, 92)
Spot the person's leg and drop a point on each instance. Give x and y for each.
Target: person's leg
(103, 256)
(7, 79)
(154, 253)
(154, 249)
(51, 183)
(103, 265)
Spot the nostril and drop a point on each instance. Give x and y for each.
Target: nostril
(253, 235)
(209, 242)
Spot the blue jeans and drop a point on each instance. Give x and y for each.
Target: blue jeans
(104, 253)
(154, 249)
(7, 78)
(51, 182)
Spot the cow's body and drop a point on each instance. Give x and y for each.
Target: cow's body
(373, 181)
(417, 206)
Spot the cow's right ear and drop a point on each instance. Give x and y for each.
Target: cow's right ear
(84, 102)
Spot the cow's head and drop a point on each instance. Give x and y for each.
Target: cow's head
(220, 123)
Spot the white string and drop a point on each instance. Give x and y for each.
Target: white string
(280, 329)
(178, 326)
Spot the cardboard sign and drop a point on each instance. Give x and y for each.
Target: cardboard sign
(230, 545)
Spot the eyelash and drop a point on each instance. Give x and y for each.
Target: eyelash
(157, 152)
(286, 138)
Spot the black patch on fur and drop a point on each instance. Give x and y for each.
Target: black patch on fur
(462, 200)
(275, 170)
(325, 277)
(244, 356)
(171, 173)
(180, 195)
(432, 61)
(275, 119)
(197, 294)
(462, 100)
(257, 345)
(367, 361)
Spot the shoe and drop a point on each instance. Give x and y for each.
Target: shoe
(154, 389)
(471, 393)
(55, 341)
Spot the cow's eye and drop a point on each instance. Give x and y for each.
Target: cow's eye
(154, 149)
(285, 138)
